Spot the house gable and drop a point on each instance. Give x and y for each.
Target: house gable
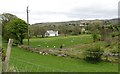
(51, 33)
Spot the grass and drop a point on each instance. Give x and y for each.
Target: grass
(75, 43)
(58, 41)
(0, 66)
(22, 60)
(0, 56)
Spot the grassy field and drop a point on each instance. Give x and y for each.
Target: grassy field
(23, 60)
(76, 43)
(58, 41)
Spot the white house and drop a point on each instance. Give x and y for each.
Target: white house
(81, 25)
(51, 33)
(83, 30)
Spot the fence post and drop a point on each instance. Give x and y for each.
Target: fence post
(8, 51)
(0, 60)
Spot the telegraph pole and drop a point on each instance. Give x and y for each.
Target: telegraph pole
(28, 25)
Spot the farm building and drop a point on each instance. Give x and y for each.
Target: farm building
(51, 33)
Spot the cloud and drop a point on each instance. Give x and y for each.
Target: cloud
(60, 10)
(93, 12)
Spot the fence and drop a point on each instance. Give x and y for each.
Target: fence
(20, 65)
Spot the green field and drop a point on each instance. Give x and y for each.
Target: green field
(25, 61)
(22, 60)
(67, 41)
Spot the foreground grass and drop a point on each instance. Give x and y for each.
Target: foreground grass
(0, 66)
(22, 60)
(0, 55)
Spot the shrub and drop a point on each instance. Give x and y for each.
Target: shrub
(93, 55)
(95, 37)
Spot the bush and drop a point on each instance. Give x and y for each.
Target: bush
(95, 37)
(93, 55)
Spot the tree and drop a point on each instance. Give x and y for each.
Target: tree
(5, 18)
(42, 31)
(76, 30)
(63, 29)
(37, 30)
(17, 29)
(34, 29)
(94, 37)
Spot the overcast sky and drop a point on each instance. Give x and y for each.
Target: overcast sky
(60, 10)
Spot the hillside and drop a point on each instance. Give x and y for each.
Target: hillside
(67, 22)
(114, 20)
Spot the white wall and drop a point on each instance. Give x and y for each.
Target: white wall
(52, 35)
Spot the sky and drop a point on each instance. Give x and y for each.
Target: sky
(60, 10)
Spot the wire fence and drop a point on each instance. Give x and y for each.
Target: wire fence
(20, 65)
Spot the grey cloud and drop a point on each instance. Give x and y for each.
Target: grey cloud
(85, 12)
(48, 13)
(92, 12)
